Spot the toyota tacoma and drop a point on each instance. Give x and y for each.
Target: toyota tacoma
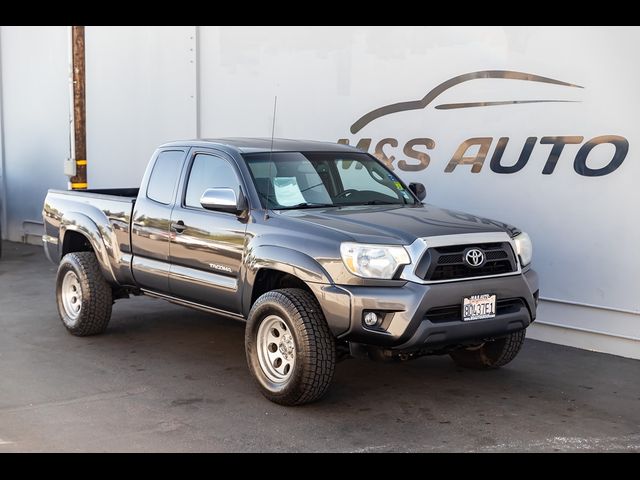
(324, 251)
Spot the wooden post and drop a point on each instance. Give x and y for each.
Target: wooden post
(79, 182)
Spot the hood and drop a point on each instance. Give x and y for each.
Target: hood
(396, 224)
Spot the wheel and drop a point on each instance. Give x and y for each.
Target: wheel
(493, 354)
(83, 295)
(290, 350)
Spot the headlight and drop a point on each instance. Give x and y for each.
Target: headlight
(373, 261)
(524, 248)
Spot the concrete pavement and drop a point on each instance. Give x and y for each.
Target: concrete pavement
(165, 378)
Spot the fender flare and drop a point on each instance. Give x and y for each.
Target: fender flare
(284, 260)
(101, 244)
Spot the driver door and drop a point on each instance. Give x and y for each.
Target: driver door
(207, 246)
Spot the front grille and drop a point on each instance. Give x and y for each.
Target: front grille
(453, 313)
(452, 272)
(455, 258)
(447, 263)
(497, 255)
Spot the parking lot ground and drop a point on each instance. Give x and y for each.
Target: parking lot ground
(165, 378)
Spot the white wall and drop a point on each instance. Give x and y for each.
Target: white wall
(35, 112)
(147, 85)
(583, 228)
(140, 92)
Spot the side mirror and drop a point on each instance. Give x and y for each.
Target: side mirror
(221, 199)
(418, 189)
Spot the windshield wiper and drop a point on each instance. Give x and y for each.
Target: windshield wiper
(306, 205)
(380, 202)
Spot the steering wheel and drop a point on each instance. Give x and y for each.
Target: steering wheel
(346, 193)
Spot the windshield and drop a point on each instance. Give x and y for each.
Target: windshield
(288, 180)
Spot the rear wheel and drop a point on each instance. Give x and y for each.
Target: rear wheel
(493, 354)
(290, 350)
(83, 295)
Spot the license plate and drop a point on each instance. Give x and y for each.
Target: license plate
(479, 307)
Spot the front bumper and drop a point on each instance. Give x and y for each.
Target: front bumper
(419, 317)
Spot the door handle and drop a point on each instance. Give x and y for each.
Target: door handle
(178, 227)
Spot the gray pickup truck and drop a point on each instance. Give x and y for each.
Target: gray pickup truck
(321, 248)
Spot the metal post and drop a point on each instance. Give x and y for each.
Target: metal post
(79, 181)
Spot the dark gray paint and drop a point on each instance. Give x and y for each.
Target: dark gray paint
(151, 233)
(210, 259)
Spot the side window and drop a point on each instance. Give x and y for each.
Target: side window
(207, 172)
(164, 176)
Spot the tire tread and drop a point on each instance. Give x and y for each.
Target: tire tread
(319, 363)
(97, 297)
(491, 355)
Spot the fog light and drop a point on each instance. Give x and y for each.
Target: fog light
(371, 319)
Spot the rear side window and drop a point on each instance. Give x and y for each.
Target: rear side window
(164, 176)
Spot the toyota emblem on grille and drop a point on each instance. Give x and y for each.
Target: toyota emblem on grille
(474, 257)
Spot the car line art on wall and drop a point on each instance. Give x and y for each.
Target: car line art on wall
(457, 80)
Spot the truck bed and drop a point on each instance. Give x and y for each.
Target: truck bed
(103, 215)
(108, 192)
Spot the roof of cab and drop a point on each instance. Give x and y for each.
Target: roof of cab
(258, 145)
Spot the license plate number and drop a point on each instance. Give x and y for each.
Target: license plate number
(478, 307)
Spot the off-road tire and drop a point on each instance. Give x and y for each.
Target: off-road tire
(315, 346)
(493, 354)
(96, 295)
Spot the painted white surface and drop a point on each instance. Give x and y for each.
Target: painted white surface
(326, 78)
(567, 328)
(35, 113)
(142, 90)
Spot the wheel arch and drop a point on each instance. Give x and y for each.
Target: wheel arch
(279, 262)
(273, 267)
(75, 241)
(76, 225)
(267, 279)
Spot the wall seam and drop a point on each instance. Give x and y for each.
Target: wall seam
(586, 330)
(589, 305)
(3, 169)
(198, 84)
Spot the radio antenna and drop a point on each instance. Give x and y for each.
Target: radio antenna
(273, 131)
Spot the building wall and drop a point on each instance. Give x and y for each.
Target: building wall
(35, 122)
(582, 227)
(146, 85)
(140, 92)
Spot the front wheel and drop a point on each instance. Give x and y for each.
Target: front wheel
(290, 350)
(493, 354)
